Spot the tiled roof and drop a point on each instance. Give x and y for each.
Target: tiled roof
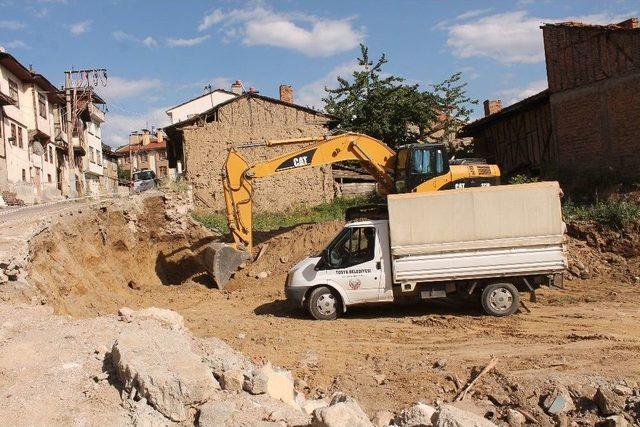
(139, 147)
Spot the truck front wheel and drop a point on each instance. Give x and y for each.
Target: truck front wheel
(323, 304)
(500, 299)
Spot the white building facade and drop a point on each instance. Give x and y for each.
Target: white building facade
(199, 105)
(32, 140)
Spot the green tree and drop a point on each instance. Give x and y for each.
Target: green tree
(384, 106)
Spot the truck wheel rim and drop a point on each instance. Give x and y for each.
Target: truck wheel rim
(326, 304)
(500, 299)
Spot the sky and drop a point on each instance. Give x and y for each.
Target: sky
(160, 53)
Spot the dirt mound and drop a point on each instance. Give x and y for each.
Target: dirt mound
(595, 250)
(94, 263)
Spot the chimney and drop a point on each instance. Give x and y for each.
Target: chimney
(492, 106)
(146, 137)
(134, 138)
(629, 24)
(159, 136)
(237, 87)
(286, 93)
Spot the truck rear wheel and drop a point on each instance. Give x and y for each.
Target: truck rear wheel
(323, 304)
(500, 299)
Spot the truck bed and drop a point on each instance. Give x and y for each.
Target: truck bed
(511, 230)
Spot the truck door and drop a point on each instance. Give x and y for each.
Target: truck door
(352, 263)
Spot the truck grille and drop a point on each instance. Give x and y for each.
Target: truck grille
(484, 170)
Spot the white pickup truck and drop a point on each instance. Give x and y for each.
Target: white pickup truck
(486, 242)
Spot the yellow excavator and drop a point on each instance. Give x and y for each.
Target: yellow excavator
(419, 167)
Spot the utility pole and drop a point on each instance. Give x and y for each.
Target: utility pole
(85, 80)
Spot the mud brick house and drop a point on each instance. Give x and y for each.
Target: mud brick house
(198, 147)
(585, 128)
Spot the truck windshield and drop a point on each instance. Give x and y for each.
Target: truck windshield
(143, 176)
(354, 245)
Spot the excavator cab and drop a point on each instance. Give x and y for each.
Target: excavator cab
(427, 167)
(418, 163)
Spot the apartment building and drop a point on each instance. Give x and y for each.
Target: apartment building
(146, 150)
(88, 138)
(109, 181)
(33, 141)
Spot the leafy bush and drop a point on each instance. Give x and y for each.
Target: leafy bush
(266, 221)
(522, 179)
(614, 213)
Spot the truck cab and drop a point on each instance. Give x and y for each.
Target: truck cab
(355, 265)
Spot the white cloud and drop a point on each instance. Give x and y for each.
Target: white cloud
(120, 88)
(511, 37)
(211, 19)
(15, 44)
(307, 34)
(118, 126)
(312, 93)
(513, 95)
(149, 41)
(80, 27)
(12, 25)
(41, 13)
(121, 36)
(186, 42)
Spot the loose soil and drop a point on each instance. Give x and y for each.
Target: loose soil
(583, 334)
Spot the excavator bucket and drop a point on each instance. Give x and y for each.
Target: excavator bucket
(221, 261)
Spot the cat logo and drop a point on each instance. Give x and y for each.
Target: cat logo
(300, 161)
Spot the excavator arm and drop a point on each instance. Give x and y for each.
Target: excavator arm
(376, 157)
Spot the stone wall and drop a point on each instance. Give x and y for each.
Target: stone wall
(247, 120)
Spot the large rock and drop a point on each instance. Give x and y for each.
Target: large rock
(558, 401)
(419, 414)
(256, 383)
(515, 418)
(342, 412)
(159, 365)
(609, 402)
(279, 384)
(220, 357)
(450, 416)
(382, 418)
(216, 414)
(232, 380)
(167, 318)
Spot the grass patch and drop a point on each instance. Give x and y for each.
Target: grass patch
(614, 213)
(268, 221)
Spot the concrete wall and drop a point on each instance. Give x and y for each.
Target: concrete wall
(253, 119)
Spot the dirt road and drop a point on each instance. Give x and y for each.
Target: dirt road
(386, 356)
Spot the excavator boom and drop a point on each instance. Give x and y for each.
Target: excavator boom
(377, 158)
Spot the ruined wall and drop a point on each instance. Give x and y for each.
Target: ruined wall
(521, 142)
(577, 55)
(253, 119)
(597, 128)
(594, 80)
